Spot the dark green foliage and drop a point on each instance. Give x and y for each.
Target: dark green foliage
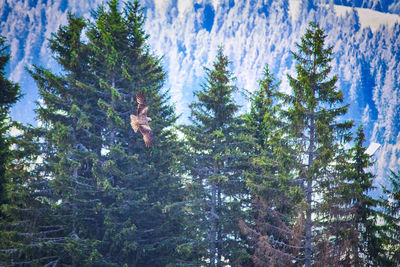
(274, 187)
(313, 115)
(391, 216)
(9, 95)
(118, 201)
(268, 178)
(353, 215)
(143, 191)
(72, 143)
(28, 236)
(366, 214)
(272, 152)
(217, 144)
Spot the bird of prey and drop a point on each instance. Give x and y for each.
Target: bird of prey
(141, 121)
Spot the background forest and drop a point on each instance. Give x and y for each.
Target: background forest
(286, 184)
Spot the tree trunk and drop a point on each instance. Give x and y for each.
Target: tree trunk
(308, 225)
(219, 239)
(213, 228)
(308, 243)
(112, 106)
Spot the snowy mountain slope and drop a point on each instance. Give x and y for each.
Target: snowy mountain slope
(28, 24)
(369, 18)
(388, 6)
(187, 33)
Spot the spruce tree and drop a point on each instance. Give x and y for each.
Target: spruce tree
(72, 144)
(23, 228)
(143, 194)
(28, 235)
(391, 216)
(9, 95)
(118, 201)
(274, 196)
(313, 112)
(217, 145)
(357, 238)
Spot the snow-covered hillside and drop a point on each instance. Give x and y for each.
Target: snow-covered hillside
(387, 6)
(369, 18)
(254, 33)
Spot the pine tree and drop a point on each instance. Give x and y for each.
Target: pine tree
(312, 115)
(217, 145)
(274, 197)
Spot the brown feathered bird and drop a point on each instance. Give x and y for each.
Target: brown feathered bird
(141, 121)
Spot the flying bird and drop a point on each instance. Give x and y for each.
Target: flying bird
(141, 121)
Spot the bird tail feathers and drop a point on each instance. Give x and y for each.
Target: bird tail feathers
(134, 123)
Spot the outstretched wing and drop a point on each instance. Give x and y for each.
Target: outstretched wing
(142, 107)
(147, 134)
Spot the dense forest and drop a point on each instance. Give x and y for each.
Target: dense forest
(286, 184)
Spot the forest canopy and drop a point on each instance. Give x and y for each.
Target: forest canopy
(287, 183)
